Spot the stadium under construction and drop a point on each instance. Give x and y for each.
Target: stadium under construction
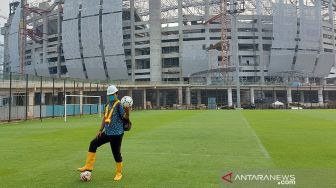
(178, 53)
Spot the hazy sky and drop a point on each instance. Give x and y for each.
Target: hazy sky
(4, 7)
(4, 10)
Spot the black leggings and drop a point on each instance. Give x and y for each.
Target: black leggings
(115, 143)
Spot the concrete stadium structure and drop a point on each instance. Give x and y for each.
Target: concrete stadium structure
(160, 43)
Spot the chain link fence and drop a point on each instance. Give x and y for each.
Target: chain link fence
(25, 97)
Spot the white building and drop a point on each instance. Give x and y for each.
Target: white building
(98, 40)
(167, 41)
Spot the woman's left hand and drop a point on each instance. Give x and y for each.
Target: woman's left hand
(126, 115)
(127, 109)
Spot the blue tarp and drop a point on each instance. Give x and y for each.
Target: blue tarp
(72, 109)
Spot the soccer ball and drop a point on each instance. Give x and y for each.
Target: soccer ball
(127, 101)
(85, 176)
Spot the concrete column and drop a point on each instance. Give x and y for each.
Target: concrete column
(326, 95)
(144, 99)
(320, 96)
(263, 94)
(180, 95)
(158, 98)
(155, 40)
(33, 47)
(42, 98)
(229, 96)
(206, 18)
(188, 96)
(45, 40)
(207, 38)
(164, 100)
(199, 98)
(31, 96)
(212, 63)
(302, 98)
(59, 38)
(331, 18)
(208, 79)
(252, 95)
(234, 52)
(259, 7)
(132, 40)
(289, 95)
(262, 63)
(331, 12)
(180, 25)
(130, 93)
(306, 80)
(81, 102)
(275, 98)
(286, 79)
(6, 48)
(13, 98)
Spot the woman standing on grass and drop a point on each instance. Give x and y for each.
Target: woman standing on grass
(111, 130)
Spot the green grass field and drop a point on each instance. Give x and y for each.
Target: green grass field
(174, 149)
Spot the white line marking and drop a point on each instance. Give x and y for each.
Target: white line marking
(182, 154)
(260, 145)
(166, 153)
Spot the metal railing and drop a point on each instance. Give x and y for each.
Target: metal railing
(24, 97)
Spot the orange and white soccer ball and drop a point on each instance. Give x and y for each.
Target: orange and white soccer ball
(126, 101)
(85, 176)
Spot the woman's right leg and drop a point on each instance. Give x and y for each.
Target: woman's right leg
(91, 156)
(115, 146)
(97, 142)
